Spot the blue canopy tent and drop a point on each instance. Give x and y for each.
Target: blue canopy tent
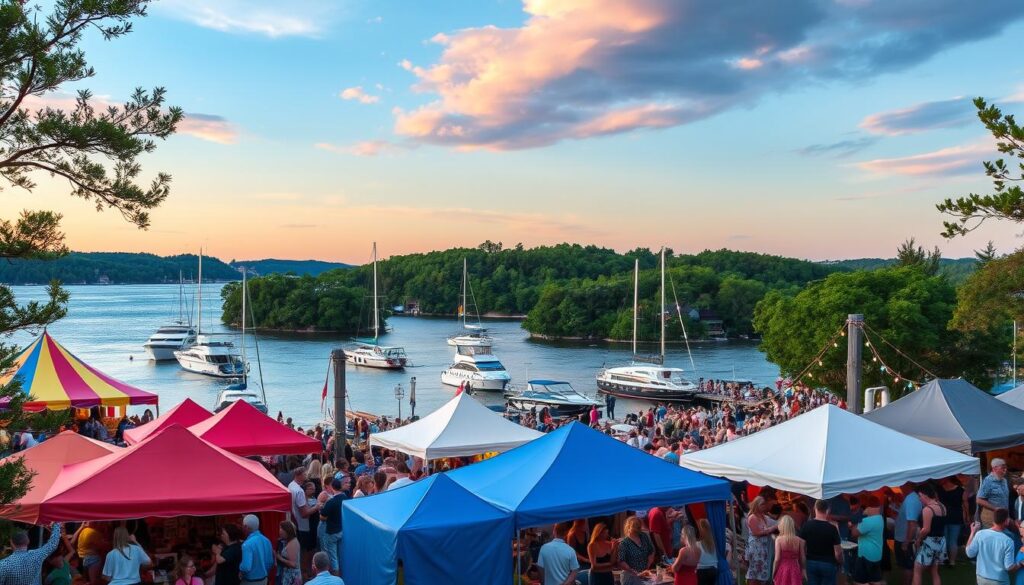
(440, 532)
(552, 479)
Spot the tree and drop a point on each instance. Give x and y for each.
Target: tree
(903, 305)
(986, 254)
(910, 254)
(93, 146)
(992, 297)
(1007, 199)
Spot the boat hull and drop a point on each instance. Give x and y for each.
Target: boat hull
(378, 363)
(161, 353)
(554, 409)
(452, 377)
(208, 369)
(621, 390)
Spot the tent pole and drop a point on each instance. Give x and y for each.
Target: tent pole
(732, 559)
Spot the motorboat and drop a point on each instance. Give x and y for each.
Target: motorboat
(212, 357)
(477, 367)
(477, 333)
(170, 338)
(560, 398)
(647, 382)
(229, 396)
(369, 353)
(647, 377)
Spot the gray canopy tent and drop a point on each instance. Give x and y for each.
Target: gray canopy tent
(954, 414)
(1013, 397)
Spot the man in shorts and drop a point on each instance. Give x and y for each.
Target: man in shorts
(867, 567)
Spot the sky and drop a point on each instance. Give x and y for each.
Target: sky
(818, 129)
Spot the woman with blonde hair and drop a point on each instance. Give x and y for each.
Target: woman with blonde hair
(707, 566)
(684, 568)
(636, 552)
(125, 559)
(315, 474)
(790, 554)
(601, 553)
(759, 543)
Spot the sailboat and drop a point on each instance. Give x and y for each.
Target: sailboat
(210, 356)
(477, 336)
(239, 391)
(170, 338)
(369, 353)
(647, 377)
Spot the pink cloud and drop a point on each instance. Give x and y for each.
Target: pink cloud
(749, 63)
(357, 94)
(956, 160)
(364, 148)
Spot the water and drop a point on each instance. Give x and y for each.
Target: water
(106, 325)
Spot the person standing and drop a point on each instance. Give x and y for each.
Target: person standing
(993, 550)
(321, 566)
(906, 531)
(301, 512)
(227, 556)
(684, 568)
(609, 406)
(557, 559)
(869, 532)
(636, 552)
(822, 547)
(790, 555)
(954, 498)
(257, 554)
(125, 559)
(185, 572)
(994, 492)
(759, 542)
(595, 416)
(707, 566)
(330, 517)
(23, 566)
(931, 540)
(601, 553)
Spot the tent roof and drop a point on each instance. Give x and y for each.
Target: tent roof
(827, 452)
(552, 479)
(243, 430)
(461, 427)
(172, 473)
(1013, 397)
(415, 521)
(954, 414)
(56, 380)
(185, 414)
(46, 460)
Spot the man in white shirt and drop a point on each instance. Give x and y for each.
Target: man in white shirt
(993, 550)
(301, 511)
(557, 559)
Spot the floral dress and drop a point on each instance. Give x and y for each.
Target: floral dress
(759, 551)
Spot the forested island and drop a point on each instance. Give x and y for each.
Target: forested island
(566, 291)
(141, 268)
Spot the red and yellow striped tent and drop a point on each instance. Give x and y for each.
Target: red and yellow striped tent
(56, 380)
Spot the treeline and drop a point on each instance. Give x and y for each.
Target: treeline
(956, 270)
(566, 290)
(113, 267)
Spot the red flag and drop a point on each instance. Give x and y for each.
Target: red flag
(323, 396)
(461, 388)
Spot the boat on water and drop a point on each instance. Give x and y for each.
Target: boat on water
(210, 355)
(239, 390)
(559, 397)
(174, 337)
(228, 396)
(475, 333)
(477, 367)
(647, 378)
(369, 353)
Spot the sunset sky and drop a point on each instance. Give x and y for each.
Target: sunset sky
(811, 128)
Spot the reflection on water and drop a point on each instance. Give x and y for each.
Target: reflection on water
(107, 325)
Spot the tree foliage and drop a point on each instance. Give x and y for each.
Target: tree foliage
(992, 297)
(1007, 199)
(904, 305)
(118, 267)
(910, 254)
(94, 148)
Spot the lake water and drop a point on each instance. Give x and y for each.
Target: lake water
(107, 325)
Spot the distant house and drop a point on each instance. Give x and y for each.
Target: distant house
(692, 313)
(103, 279)
(712, 323)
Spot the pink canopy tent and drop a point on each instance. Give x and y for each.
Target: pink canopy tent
(185, 414)
(243, 430)
(46, 460)
(172, 473)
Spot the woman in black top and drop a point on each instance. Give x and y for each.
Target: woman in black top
(931, 538)
(954, 498)
(227, 555)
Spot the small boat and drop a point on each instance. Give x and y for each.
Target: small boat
(654, 382)
(170, 338)
(478, 368)
(560, 398)
(236, 393)
(368, 353)
(210, 356)
(477, 335)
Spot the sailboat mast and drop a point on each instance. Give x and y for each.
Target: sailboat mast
(245, 362)
(181, 296)
(465, 298)
(661, 309)
(636, 293)
(376, 323)
(199, 323)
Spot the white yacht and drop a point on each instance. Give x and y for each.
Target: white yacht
(170, 338)
(476, 366)
(368, 353)
(477, 333)
(210, 356)
(229, 396)
(560, 398)
(653, 380)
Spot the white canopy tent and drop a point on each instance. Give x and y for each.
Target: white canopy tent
(461, 427)
(827, 452)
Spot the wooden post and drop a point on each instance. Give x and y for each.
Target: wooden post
(340, 425)
(854, 349)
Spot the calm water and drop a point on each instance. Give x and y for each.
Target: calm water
(107, 325)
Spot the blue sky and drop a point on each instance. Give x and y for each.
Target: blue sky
(812, 128)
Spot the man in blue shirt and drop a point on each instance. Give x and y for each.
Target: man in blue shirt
(906, 531)
(321, 564)
(993, 550)
(994, 492)
(257, 554)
